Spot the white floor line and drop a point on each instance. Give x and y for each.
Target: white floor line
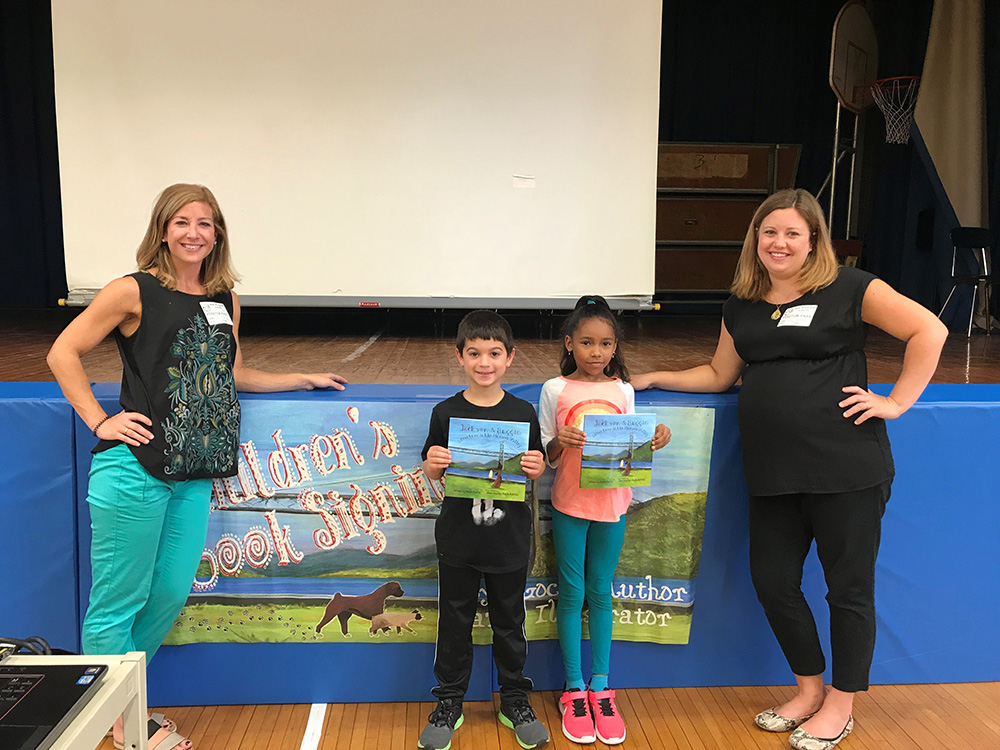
(361, 349)
(314, 727)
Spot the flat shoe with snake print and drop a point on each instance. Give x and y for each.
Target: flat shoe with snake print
(770, 721)
(802, 740)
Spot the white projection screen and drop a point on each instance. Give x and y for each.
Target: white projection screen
(411, 153)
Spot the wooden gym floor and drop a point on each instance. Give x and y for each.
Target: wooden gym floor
(910, 717)
(407, 346)
(416, 347)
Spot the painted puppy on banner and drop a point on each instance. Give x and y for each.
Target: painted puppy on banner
(399, 620)
(365, 606)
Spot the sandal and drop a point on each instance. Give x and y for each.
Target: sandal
(155, 723)
(167, 742)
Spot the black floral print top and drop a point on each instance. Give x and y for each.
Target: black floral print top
(177, 369)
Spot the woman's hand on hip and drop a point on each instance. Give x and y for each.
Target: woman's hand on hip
(866, 404)
(128, 426)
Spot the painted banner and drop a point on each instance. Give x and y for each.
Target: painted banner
(327, 533)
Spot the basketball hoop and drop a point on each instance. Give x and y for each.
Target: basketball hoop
(897, 98)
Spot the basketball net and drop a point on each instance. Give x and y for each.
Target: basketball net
(897, 98)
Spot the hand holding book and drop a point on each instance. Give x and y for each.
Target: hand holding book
(661, 436)
(567, 437)
(533, 464)
(437, 461)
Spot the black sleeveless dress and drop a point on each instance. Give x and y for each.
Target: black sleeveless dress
(795, 437)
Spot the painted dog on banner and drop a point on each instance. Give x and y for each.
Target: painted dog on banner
(366, 606)
(385, 621)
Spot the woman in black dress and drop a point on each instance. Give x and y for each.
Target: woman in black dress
(815, 452)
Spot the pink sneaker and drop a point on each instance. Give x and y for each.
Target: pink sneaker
(577, 721)
(607, 720)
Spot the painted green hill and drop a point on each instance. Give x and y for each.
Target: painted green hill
(663, 537)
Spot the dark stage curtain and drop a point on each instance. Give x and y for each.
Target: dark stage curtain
(31, 245)
(909, 244)
(992, 76)
(897, 187)
(731, 71)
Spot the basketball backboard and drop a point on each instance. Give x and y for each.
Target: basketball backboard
(853, 57)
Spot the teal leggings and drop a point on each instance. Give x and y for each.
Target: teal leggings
(587, 555)
(148, 537)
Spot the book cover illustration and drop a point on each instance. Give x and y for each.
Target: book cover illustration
(486, 459)
(619, 450)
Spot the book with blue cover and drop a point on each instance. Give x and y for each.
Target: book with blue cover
(618, 451)
(486, 459)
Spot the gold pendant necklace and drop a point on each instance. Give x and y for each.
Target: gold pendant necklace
(776, 315)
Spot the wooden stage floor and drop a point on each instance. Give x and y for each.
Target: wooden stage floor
(416, 347)
(407, 346)
(910, 717)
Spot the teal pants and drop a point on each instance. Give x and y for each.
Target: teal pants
(587, 555)
(148, 538)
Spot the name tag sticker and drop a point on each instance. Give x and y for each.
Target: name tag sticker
(801, 316)
(216, 314)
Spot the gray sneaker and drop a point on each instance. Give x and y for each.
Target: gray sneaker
(441, 724)
(519, 716)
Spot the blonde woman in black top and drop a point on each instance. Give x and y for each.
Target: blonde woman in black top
(176, 322)
(815, 451)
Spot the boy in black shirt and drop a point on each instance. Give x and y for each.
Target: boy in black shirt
(482, 539)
